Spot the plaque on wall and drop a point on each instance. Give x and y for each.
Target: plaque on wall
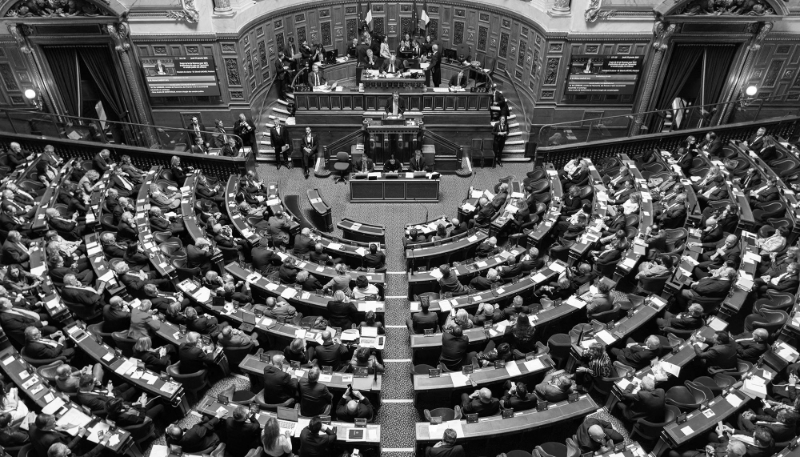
(603, 75)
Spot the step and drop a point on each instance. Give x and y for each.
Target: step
(280, 110)
(283, 102)
(265, 143)
(513, 149)
(290, 96)
(510, 134)
(514, 125)
(515, 159)
(269, 126)
(511, 116)
(513, 142)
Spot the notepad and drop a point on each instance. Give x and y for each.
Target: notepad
(459, 379)
(687, 430)
(734, 400)
(513, 369)
(534, 365)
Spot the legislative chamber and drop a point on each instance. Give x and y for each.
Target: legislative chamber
(394, 229)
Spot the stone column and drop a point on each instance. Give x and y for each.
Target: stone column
(119, 32)
(746, 69)
(560, 8)
(662, 33)
(223, 8)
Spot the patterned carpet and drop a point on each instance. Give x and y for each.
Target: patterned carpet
(397, 415)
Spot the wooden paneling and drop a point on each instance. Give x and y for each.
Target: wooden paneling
(14, 76)
(776, 71)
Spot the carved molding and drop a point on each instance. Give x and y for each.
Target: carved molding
(758, 39)
(188, 14)
(662, 33)
(119, 33)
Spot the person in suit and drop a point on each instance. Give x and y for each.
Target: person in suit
(279, 386)
(720, 354)
(310, 148)
(711, 144)
(331, 354)
(75, 292)
(750, 349)
(784, 282)
(316, 441)
(365, 164)
(192, 358)
(500, 132)
(718, 254)
(102, 161)
(116, 315)
(15, 321)
(648, 404)
(447, 447)
(315, 78)
(392, 165)
(291, 50)
(480, 402)
(240, 432)
(756, 141)
(315, 398)
(196, 130)
(45, 348)
(199, 255)
(692, 319)
(392, 65)
(597, 435)
(434, 71)
(279, 138)
(45, 433)
(636, 355)
(15, 251)
(395, 106)
(418, 162)
(246, 130)
(674, 214)
(517, 397)
(230, 149)
(142, 322)
(369, 62)
(715, 286)
(454, 350)
(687, 155)
(196, 439)
(423, 320)
(341, 311)
(764, 194)
(459, 79)
(283, 74)
(134, 281)
(353, 405)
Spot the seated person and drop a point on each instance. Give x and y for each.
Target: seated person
(375, 259)
(484, 215)
(167, 200)
(392, 165)
(449, 283)
(156, 359)
(354, 405)
(203, 324)
(447, 447)
(517, 397)
(68, 378)
(597, 435)
(750, 349)
(480, 402)
(648, 403)
(454, 350)
(773, 243)
(721, 352)
(11, 436)
(16, 251)
(281, 311)
(692, 319)
(423, 320)
(487, 248)
(75, 292)
(62, 225)
(638, 356)
(307, 281)
(458, 318)
(485, 283)
(160, 223)
(784, 282)
(716, 254)
(235, 338)
(135, 281)
(715, 286)
(199, 437)
(364, 288)
(37, 347)
(660, 266)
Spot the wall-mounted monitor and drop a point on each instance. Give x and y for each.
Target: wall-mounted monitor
(181, 76)
(603, 75)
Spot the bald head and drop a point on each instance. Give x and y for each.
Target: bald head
(485, 395)
(597, 434)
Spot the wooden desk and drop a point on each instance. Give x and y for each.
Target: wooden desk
(322, 210)
(646, 219)
(366, 233)
(38, 267)
(389, 84)
(436, 253)
(254, 368)
(402, 189)
(30, 385)
(158, 260)
(541, 231)
(523, 421)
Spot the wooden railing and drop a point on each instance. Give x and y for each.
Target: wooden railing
(599, 150)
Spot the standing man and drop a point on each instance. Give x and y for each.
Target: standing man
(291, 52)
(246, 130)
(352, 50)
(435, 69)
(282, 74)
(196, 130)
(279, 137)
(500, 132)
(395, 106)
(310, 148)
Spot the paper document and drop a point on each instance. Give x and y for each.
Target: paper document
(459, 379)
(734, 400)
(513, 369)
(534, 365)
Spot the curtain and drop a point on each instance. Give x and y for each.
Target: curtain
(64, 67)
(718, 61)
(100, 65)
(680, 67)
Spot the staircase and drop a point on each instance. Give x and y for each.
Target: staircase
(276, 110)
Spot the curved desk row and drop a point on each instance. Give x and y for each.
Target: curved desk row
(428, 281)
(321, 209)
(48, 199)
(29, 383)
(599, 208)
(428, 228)
(358, 231)
(339, 382)
(542, 229)
(158, 260)
(437, 252)
(646, 219)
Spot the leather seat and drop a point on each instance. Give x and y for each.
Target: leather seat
(648, 431)
(192, 382)
(39, 362)
(684, 398)
(774, 301)
(769, 320)
(124, 343)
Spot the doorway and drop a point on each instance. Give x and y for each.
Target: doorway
(695, 77)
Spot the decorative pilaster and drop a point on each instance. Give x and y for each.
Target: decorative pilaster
(662, 33)
(560, 8)
(52, 100)
(119, 32)
(223, 8)
(746, 69)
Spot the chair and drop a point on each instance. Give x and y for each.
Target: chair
(684, 398)
(447, 414)
(192, 382)
(342, 165)
(769, 211)
(742, 367)
(182, 271)
(26, 451)
(724, 381)
(229, 254)
(709, 384)
(537, 174)
(166, 174)
(259, 400)
(124, 343)
(83, 312)
(551, 449)
(559, 345)
(650, 431)
(653, 284)
(39, 362)
(769, 320)
(698, 387)
(622, 369)
(602, 386)
(607, 316)
(422, 369)
(235, 355)
(675, 239)
(787, 167)
(142, 433)
(776, 301)
(238, 397)
(48, 372)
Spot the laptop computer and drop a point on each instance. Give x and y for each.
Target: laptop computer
(249, 322)
(287, 419)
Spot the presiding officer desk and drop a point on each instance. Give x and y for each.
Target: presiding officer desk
(394, 187)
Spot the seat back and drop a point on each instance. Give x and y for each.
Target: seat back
(552, 449)
(235, 355)
(342, 156)
(38, 362)
(124, 343)
(701, 393)
(681, 397)
(447, 414)
(97, 329)
(48, 371)
(654, 284)
(192, 382)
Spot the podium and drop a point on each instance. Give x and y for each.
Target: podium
(385, 136)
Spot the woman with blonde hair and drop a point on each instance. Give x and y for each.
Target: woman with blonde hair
(162, 199)
(341, 281)
(274, 443)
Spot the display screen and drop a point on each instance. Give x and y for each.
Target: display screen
(181, 76)
(603, 75)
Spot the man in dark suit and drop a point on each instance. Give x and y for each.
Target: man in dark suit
(485, 213)
(717, 255)
(750, 349)
(364, 164)
(44, 433)
(315, 78)
(354, 405)
(395, 106)
(331, 354)
(14, 321)
(196, 130)
(192, 358)
(279, 386)
(648, 403)
(686, 156)
(264, 258)
(75, 292)
(765, 193)
(246, 130)
(315, 398)
(198, 438)
(435, 68)
(711, 144)
(44, 348)
(282, 74)
(292, 52)
(241, 432)
(102, 161)
(279, 138)
(199, 255)
(375, 259)
(597, 435)
(721, 353)
(458, 227)
(418, 162)
(14, 251)
(785, 282)
(392, 65)
(517, 397)
(636, 355)
(370, 61)
(756, 141)
(459, 79)
(500, 132)
(447, 447)
(116, 316)
(499, 100)
(310, 149)
(692, 319)
(480, 402)
(715, 286)
(454, 350)
(423, 320)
